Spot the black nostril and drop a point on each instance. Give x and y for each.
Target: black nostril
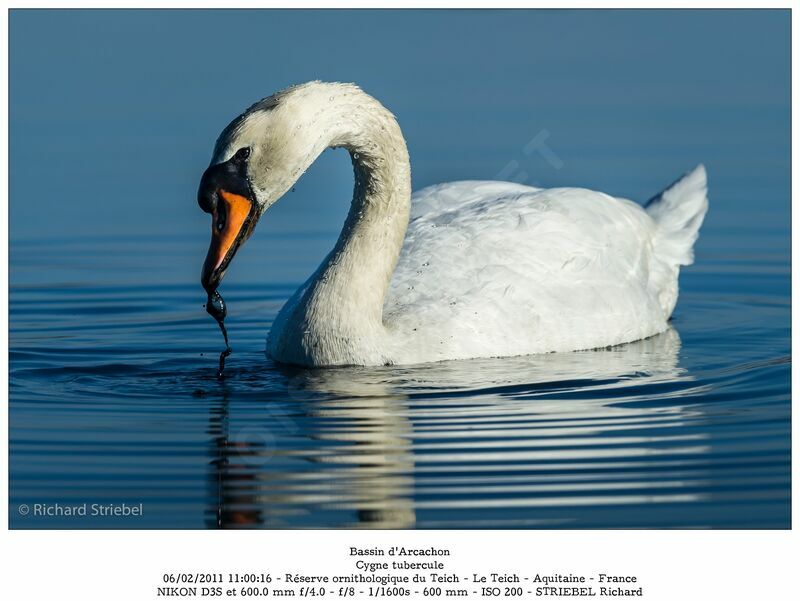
(221, 216)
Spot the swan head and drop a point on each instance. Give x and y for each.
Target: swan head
(257, 159)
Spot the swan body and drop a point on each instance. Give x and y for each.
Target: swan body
(459, 270)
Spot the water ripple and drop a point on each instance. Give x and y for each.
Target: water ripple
(113, 398)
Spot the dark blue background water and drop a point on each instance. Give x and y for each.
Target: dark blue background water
(113, 394)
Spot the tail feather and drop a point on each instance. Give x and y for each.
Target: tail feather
(679, 211)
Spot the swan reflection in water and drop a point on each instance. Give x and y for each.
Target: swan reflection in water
(382, 443)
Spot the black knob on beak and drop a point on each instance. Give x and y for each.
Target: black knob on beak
(207, 192)
(230, 175)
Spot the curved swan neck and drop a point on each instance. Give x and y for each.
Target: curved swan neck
(341, 306)
(358, 270)
(361, 264)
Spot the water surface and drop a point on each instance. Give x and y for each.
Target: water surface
(115, 398)
(113, 388)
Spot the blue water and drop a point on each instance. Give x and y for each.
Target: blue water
(113, 394)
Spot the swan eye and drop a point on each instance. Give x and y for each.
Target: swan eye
(242, 154)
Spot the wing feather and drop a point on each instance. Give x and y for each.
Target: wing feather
(486, 265)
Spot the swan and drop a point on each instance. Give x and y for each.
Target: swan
(459, 270)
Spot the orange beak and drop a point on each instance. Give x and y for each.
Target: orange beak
(232, 222)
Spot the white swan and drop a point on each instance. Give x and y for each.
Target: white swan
(481, 269)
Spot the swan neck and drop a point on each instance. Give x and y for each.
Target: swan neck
(340, 310)
(359, 269)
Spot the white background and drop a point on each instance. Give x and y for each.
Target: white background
(670, 566)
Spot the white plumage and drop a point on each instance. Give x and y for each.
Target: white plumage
(494, 269)
(484, 269)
